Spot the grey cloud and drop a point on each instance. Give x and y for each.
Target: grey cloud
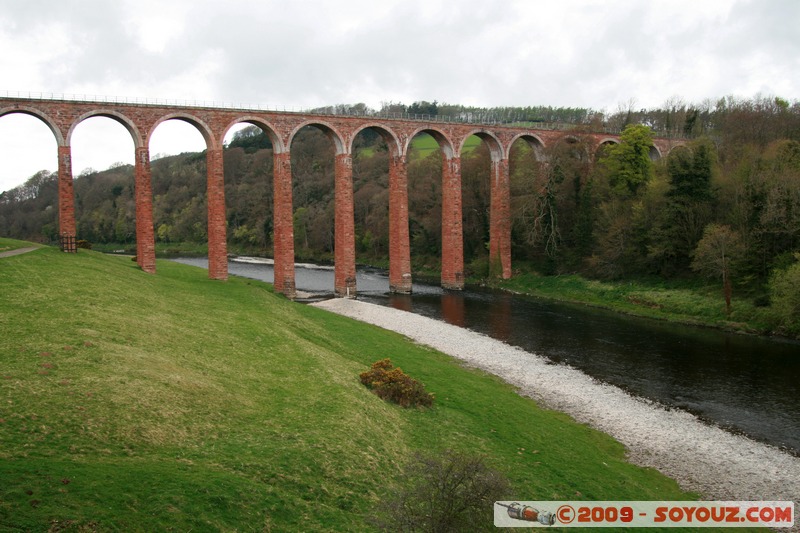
(491, 52)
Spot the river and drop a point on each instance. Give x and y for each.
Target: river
(745, 384)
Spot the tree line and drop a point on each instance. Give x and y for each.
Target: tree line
(726, 204)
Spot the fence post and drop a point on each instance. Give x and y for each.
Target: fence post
(67, 243)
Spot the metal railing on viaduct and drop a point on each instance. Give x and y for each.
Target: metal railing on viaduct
(141, 119)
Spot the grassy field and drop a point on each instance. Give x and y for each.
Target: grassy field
(677, 302)
(423, 145)
(144, 402)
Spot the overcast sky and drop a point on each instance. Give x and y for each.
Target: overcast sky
(599, 54)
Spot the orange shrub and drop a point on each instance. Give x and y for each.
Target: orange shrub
(393, 385)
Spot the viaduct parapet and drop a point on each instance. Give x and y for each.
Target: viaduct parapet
(213, 123)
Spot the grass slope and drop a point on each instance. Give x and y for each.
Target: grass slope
(143, 402)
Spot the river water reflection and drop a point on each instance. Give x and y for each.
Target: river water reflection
(742, 383)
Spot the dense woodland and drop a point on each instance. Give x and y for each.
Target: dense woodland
(726, 206)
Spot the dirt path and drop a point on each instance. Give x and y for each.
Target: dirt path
(18, 251)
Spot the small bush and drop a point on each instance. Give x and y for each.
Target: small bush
(83, 243)
(452, 491)
(480, 267)
(393, 385)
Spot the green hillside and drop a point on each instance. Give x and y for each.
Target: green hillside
(139, 402)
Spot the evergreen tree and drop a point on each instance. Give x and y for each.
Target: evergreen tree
(688, 208)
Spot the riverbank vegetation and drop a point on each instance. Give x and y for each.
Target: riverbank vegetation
(678, 301)
(723, 208)
(146, 403)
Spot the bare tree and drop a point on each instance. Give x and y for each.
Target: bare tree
(715, 255)
(450, 492)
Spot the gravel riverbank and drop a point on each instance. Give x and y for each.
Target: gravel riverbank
(702, 458)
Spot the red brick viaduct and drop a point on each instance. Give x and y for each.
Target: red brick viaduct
(141, 119)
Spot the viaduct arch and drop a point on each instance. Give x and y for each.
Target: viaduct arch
(140, 120)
